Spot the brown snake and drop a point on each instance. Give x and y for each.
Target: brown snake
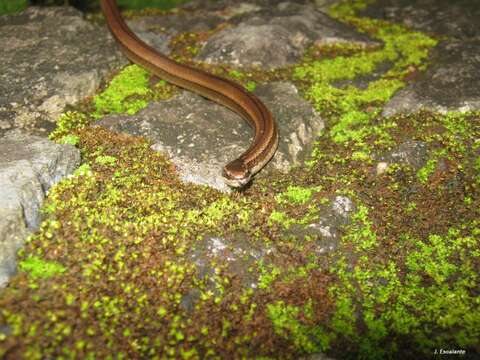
(238, 172)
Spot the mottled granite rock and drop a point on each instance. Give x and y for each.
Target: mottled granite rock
(201, 137)
(49, 58)
(29, 166)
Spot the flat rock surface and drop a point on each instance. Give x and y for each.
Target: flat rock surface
(49, 58)
(29, 166)
(201, 137)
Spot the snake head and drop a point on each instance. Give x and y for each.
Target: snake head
(236, 174)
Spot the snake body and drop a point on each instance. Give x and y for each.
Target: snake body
(238, 172)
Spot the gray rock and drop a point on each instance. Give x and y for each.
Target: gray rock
(49, 58)
(326, 230)
(324, 5)
(235, 253)
(224, 6)
(201, 136)
(13, 233)
(323, 235)
(173, 24)
(276, 36)
(451, 83)
(190, 299)
(251, 45)
(458, 18)
(412, 153)
(29, 166)
(299, 124)
(5, 330)
(158, 41)
(341, 208)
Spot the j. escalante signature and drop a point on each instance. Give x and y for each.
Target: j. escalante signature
(449, 352)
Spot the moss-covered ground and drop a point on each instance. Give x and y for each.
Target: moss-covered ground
(107, 274)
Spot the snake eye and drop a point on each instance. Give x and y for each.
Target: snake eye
(236, 173)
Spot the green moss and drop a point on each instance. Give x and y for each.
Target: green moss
(281, 218)
(39, 268)
(295, 195)
(236, 74)
(267, 276)
(82, 170)
(66, 124)
(424, 173)
(348, 8)
(69, 139)
(251, 86)
(125, 93)
(477, 169)
(287, 325)
(389, 303)
(411, 206)
(354, 125)
(458, 127)
(106, 160)
(447, 302)
(361, 234)
(354, 109)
